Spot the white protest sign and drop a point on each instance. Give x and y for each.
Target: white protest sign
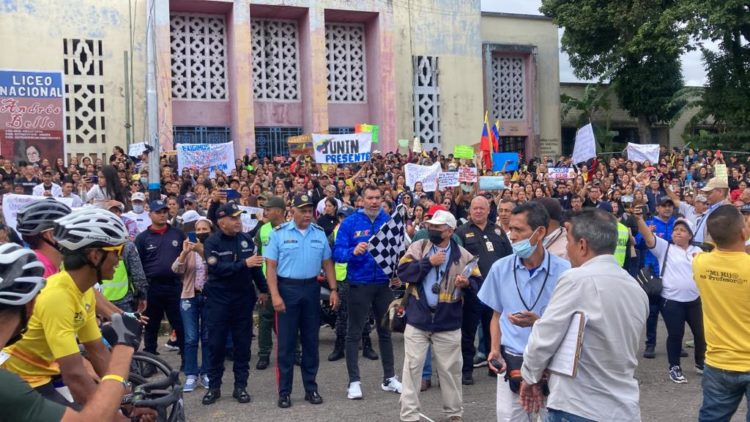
(342, 149)
(492, 183)
(428, 175)
(467, 174)
(561, 173)
(248, 222)
(13, 202)
(585, 146)
(213, 156)
(135, 150)
(448, 179)
(641, 153)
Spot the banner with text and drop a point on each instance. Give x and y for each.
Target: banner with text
(342, 149)
(136, 149)
(213, 156)
(491, 183)
(428, 175)
(463, 151)
(467, 174)
(448, 179)
(32, 116)
(13, 202)
(300, 145)
(641, 153)
(561, 173)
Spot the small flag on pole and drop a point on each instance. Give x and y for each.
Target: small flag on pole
(387, 245)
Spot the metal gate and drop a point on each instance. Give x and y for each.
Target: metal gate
(201, 135)
(272, 141)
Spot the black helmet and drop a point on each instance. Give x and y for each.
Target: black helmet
(21, 275)
(39, 216)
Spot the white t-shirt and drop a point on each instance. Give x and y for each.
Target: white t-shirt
(142, 220)
(320, 209)
(677, 277)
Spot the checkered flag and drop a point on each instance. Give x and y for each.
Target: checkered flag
(387, 245)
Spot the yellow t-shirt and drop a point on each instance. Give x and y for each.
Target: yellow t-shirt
(723, 279)
(62, 315)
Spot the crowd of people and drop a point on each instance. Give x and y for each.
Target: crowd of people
(489, 278)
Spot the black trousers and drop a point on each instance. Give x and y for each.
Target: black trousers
(363, 298)
(473, 312)
(675, 315)
(163, 297)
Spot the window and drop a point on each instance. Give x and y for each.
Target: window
(509, 87)
(272, 141)
(199, 62)
(84, 91)
(345, 49)
(426, 99)
(275, 60)
(201, 135)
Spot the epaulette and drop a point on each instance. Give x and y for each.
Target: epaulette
(280, 226)
(317, 226)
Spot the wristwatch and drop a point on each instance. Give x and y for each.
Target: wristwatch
(334, 289)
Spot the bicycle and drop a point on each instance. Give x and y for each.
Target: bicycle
(163, 396)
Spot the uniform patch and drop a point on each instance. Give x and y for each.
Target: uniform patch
(243, 243)
(361, 233)
(291, 241)
(175, 243)
(212, 260)
(468, 235)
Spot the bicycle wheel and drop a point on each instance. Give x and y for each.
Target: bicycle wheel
(146, 365)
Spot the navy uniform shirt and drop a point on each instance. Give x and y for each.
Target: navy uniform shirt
(225, 256)
(297, 255)
(157, 250)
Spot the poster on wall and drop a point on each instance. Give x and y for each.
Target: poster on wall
(342, 149)
(32, 119)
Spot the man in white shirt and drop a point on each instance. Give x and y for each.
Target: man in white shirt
(330, 193)
(67, 192)
(47, 188)
(139, 214)
(694, 212)
(616, 308)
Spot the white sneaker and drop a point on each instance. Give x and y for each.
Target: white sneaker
(190, 383)
(354, 392)
(392, 384)
(204, 381)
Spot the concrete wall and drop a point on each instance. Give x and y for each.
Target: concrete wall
(540, 33)
(32, 33)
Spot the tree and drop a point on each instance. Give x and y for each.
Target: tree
(593, 103)
(636, 44)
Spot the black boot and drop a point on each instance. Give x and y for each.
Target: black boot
(338, 349)
(367, 350)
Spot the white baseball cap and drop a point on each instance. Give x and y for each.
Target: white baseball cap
(190, 216)
(138, 196)
(443, 217)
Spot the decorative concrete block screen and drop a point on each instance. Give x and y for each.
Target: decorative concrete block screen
(199, 57)
(345, 49)
(509, 87)
(83, 65)
(275, 60)
(426, 99)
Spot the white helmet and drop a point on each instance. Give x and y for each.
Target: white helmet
(89, 227)
(21, 275)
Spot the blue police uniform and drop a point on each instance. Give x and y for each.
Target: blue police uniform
(230, 299)
(298, 259)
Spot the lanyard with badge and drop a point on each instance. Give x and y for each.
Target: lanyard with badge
(440, 274)
(541, 291)
(488, 243)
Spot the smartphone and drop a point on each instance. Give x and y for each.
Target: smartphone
(627, 199)
(231, 194)
(518, 314)
(496, 363)
(94, 179)
(192, 237)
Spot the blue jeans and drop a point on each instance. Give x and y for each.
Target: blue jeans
(427, 368)
(193, 320)
(722, 393)
(560, 416)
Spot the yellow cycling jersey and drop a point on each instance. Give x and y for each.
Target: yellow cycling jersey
(62, 315)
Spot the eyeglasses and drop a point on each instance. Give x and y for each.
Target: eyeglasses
(117, 249)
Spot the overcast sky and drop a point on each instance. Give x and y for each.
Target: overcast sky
(692, 67)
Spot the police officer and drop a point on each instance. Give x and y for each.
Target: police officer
(230, 299)
(294, 255)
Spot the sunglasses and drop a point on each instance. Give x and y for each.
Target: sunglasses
(117, 249)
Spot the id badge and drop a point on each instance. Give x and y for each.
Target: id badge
(490, 248)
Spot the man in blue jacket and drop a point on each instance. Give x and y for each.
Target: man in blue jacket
(369, 288)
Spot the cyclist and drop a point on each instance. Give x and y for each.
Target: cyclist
(91, 241)
(35, 222)
(20, 281)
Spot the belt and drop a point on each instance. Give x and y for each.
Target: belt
(299, 281)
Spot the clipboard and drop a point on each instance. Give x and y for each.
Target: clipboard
(568, 355)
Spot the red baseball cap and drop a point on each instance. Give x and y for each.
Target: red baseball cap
(435, 208)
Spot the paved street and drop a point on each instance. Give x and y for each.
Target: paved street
(661, 400)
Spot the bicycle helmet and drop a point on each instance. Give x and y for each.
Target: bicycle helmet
(89, 227)
(39, 216)
(21, 275)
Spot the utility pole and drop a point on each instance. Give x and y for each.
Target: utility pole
(152, 121)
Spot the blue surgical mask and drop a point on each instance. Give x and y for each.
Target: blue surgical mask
(523, 248)
(138, 209)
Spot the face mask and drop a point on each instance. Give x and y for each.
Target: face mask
(523, 248)
(435, 236)
(138, 209)
(202, 237)
(144, 180)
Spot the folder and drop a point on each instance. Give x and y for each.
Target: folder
(566, 359)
